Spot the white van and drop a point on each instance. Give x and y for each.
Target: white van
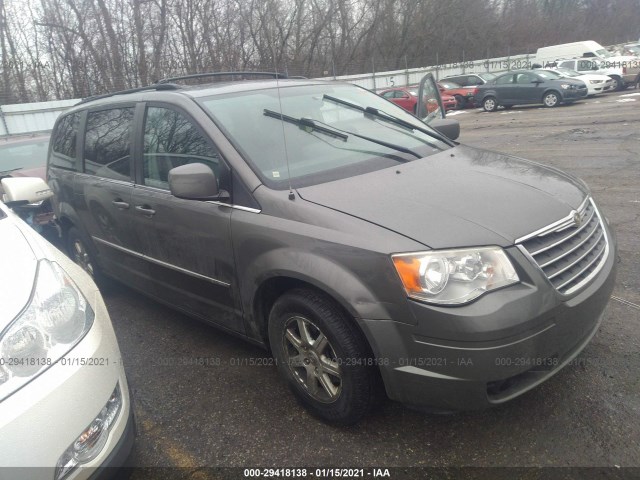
(587, 49)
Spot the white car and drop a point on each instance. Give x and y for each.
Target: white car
(65, 409)
(595, 82)
(623, 72)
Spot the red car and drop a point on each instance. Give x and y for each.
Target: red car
(407, 98)
(464, 96)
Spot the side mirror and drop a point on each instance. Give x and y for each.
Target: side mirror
(195, 181)
(446, 126)
(25, 190)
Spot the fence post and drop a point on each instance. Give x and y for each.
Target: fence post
(373, 73)
(463, 66)
(333, 67)
(437, 65)
(4, 121)
(406, 69)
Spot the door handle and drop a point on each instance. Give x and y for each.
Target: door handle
(120, 204)
(146, 210)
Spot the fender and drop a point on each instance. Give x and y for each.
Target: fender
(343, 285)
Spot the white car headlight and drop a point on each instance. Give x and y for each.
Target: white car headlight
(595, 81)
(454, 277)
(56, 318)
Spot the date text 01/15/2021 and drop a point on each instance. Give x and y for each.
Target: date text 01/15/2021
(316, 473)
(273, 362)
(490, 65)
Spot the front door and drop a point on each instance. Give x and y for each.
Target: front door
(186, 243)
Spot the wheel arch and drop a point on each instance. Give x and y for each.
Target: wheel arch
(286, 271)
(273, 287)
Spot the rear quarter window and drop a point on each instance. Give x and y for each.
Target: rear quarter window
(64, 142)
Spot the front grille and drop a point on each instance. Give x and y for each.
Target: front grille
(570, 253)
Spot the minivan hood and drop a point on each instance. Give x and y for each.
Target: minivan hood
(459, 197)
(19, 264)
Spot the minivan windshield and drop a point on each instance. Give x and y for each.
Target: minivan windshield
(311, 134)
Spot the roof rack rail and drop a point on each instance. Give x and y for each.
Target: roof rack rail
(222, 74)
(155, 86)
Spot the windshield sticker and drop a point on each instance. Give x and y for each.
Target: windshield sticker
(275, 174)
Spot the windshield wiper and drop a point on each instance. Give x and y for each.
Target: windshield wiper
(305, 123)
(336, 132)
(382, 115)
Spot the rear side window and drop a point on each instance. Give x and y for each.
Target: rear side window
(107, 144)
(63, 152)
(172, 140)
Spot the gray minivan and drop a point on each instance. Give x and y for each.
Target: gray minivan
(361, 246)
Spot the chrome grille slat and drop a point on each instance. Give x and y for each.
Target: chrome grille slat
(569, 255)
(571, 235)
(575, 262)
(585, 268)
(561, 256)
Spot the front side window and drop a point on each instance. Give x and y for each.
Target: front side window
(171, 140)
(321, 134)
(525, 78)
(586, 65)
(107, 145)
(505, 80)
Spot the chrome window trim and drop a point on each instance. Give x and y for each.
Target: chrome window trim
(214, 202)
(128, 183)
(161, 263)
(236, 207)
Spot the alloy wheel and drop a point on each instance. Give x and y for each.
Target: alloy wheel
(81, 257)
(312, 360)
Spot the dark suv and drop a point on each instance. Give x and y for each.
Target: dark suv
(360, 245)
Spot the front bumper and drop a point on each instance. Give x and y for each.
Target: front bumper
(492, 350)
(575, 94)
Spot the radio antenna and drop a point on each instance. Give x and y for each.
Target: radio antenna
(284, 136)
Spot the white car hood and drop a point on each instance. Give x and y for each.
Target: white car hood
(593, 76)
(18, 264)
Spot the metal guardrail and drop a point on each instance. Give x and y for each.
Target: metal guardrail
(24, 118)
(411, 76)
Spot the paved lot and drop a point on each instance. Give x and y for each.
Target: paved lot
(230, 413)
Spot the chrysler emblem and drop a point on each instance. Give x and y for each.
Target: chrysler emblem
(577, 218)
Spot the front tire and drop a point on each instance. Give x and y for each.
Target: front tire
(79, 251)
(551, 99)
(322, 356)
(490, 104)
(619, 84)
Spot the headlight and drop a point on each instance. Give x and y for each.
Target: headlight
(53, 322)
(454, 277)
(595, 81)
(93, 439)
